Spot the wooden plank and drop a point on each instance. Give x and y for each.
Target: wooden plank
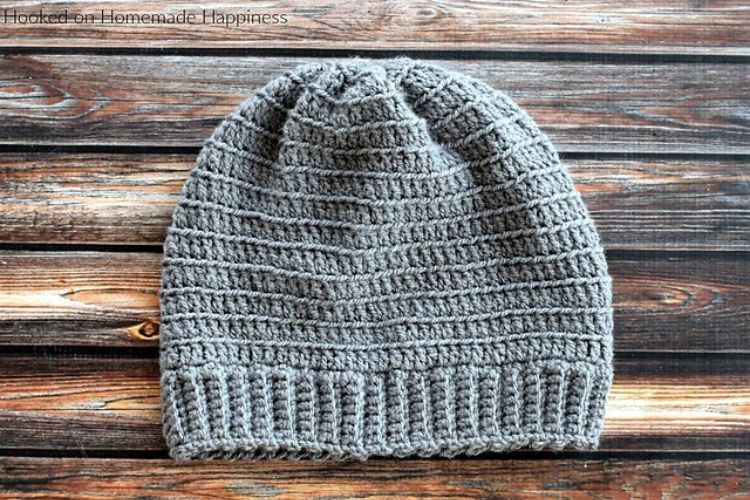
(680, 26)
(674, 204)
(681, 302)
(663, 302)
(176, 101)
(80, 197)
(307, 480)
(85, 402)
(80, 298)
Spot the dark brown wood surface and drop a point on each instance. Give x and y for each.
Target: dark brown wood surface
(65, 400)
(676, 26)
(124, 198)
(673, 302)
(585, 106)
(517, 479)
(647, 102)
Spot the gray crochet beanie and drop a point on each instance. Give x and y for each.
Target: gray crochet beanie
(381, 258)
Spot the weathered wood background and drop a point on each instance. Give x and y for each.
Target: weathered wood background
(648, 103)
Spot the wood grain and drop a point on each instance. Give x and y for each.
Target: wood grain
(80, 198)
(84, 402)
(79, 329)
(663, 302)
(676, 204)
(176, 101)
(614, 479)
(660, 26)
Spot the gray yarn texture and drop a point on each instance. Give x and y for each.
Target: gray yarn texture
(381, 258)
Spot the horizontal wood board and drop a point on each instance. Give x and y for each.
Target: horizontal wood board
(674, 302)
(518, 479)
(176, 101)
(111, 402)
(652, 26)
(115, 198)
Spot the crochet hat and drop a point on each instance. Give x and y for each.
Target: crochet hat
(381, 258)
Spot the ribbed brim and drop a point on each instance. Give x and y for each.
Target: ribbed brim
(283, 401)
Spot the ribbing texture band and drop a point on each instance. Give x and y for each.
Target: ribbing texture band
(254, 409)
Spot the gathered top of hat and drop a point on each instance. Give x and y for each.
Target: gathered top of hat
(381, 258)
